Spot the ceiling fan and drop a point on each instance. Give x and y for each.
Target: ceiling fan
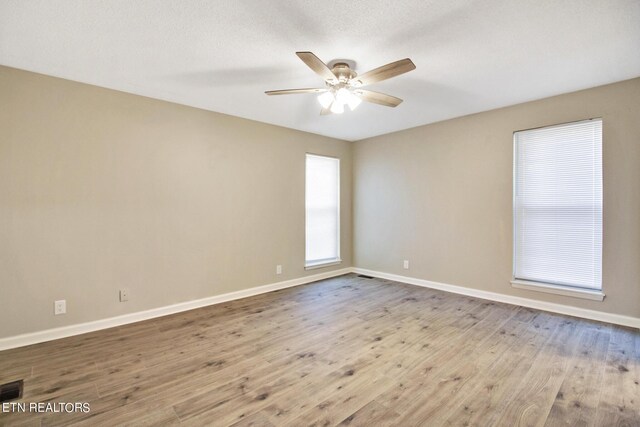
(343, 85)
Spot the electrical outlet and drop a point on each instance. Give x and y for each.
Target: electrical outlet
(278, 269)
(124, 294)
(60, 307)
(405, 264)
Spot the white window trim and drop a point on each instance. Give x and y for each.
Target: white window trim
(322, 263)
(591, 294)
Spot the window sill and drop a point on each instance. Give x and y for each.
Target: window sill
(322, 264)
(594, 295)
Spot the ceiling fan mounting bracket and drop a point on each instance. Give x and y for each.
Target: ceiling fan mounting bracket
(350, 62)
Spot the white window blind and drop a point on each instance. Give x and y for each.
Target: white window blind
(558, 205)
(322, 196)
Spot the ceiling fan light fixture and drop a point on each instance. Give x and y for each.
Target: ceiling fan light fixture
(354, 101)
(326, 99)
(343, 95)
(337, 108)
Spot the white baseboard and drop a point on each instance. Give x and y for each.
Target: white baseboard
(617, 319)
(82, 328)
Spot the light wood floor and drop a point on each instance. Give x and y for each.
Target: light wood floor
(343, 351)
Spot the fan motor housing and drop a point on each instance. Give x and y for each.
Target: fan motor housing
(343, 71)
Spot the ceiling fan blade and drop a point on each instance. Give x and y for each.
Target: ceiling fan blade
(316, 65)
(386, 72)
(293, 91)
(378, 98)
(325, 111)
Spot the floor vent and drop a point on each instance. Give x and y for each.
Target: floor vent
(365, 277)
(10, 391)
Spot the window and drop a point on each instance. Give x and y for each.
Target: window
(322, 203)
(558, 206)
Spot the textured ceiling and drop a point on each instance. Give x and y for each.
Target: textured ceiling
(219, 55)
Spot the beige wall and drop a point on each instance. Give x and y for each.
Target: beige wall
(100, 190)
(441, 196)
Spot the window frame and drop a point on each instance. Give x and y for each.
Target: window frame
(541, 286)
(327, 262)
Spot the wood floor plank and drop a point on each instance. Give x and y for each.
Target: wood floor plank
(342, 351)
(344, 400)
(580, 391)
(373, 413)
(533, 396)
(322, 386)
(440, 372)
(466, 381)
(619, 403)
(14, 372)
(256, 420)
